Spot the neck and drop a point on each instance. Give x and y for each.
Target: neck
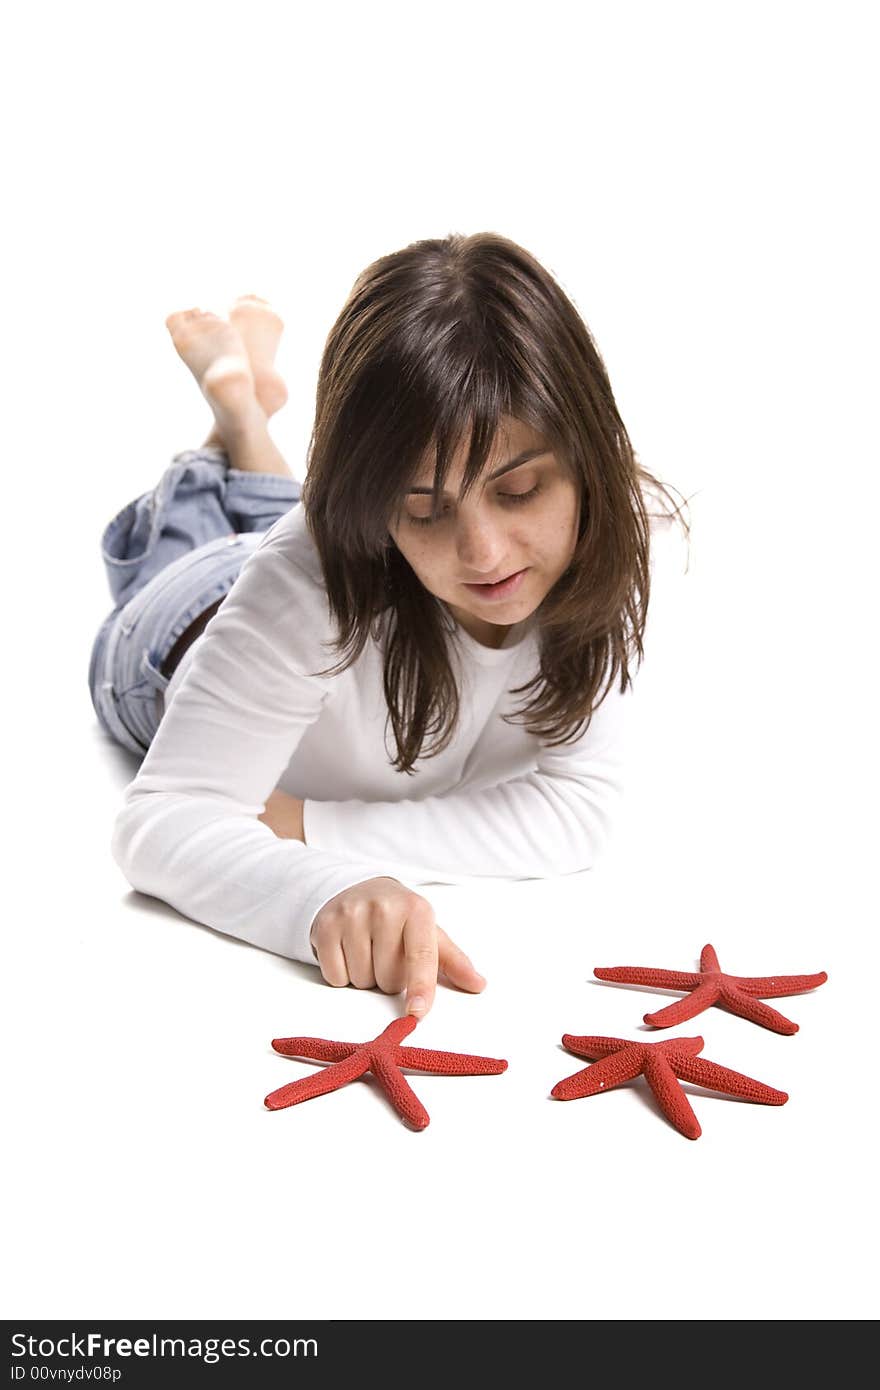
(487, 634)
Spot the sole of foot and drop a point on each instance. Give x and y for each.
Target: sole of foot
(261, 327)
(216, 355)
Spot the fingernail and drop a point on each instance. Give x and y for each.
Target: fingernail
(416, 1005)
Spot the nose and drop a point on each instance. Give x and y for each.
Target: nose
(481, 547)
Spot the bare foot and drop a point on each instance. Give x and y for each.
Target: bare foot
(216, 355)
(261, 328)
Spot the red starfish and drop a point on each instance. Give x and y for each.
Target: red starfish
(384, 1057)
(661, 1063)
(739, 993)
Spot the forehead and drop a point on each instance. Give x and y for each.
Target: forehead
(512, 438)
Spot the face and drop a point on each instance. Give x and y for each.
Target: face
(518, 526)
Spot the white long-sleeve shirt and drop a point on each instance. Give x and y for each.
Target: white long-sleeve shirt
(244, 714)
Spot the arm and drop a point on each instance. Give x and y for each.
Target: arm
(401, 946)
(553, 820)
(189, 831)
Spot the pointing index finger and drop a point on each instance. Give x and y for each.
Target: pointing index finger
(420, 949)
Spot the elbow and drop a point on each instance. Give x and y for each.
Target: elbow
(130, 838)
(589, 833)
(586, 853)
(122, 840)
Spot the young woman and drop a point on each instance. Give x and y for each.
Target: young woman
(471, 542)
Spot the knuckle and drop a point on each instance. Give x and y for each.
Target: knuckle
(419, 909)
(334, 974)
(420, 951)
(384, 910)
(364, 979)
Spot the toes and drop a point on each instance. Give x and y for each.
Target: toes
(181, 316)
(253, 308)
(183, 319)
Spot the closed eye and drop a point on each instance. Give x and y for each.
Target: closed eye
(514, 497)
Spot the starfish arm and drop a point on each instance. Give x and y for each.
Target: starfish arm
(601, 1076)
(593, 1047)
(702, 1072)
(772, 986)
(449, 1063)
(676, 1045)
(399, 1091)
(319, 1083)
(703, 997)
(748, 1007)
(642, 975)
(709, 960)
(315, 1049)
(671, 1098)
(396, 1031)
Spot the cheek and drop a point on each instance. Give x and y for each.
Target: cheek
(550, 531)
(555, 534)
(419, 555)
(568, 516)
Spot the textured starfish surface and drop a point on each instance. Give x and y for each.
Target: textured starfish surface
(741, 994)
(663, 1064)
(384, 1057)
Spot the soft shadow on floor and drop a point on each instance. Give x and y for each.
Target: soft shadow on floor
(150, 908)
(121, 765)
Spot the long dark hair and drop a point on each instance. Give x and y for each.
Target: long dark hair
(434, 345)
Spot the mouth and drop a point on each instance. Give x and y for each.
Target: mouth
(500, 590)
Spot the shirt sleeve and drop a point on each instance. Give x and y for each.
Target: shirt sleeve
(553, 820)
(187, 831)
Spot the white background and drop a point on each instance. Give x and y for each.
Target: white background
(700, 178)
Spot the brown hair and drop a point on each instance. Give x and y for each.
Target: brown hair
(434, 345)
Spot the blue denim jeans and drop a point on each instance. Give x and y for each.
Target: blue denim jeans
(169, 555)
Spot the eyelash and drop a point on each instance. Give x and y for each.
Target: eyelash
(515, 497)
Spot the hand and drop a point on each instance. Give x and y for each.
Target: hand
(380, 933)
(284, 816)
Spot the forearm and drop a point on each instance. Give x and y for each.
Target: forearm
(529, 827)
(220, 868)
(554, 818)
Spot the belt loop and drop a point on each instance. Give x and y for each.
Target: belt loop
(152, 673)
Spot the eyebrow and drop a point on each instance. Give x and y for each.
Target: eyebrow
(524, 457)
